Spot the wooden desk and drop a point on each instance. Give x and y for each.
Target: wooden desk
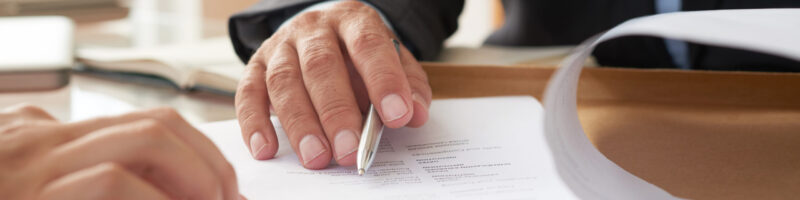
(698, 135)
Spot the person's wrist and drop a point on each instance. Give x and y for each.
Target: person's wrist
(330, 3)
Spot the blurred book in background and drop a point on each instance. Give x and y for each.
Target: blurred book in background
(207, 65)
(182, 42)
(36, 53)
(77, 10)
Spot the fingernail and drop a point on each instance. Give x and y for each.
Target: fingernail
(310, 148)
(345, 143)
(393, 107)
(257, 144)
(417, 98)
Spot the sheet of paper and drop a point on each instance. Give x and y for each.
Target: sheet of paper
(590, 174)
(486, 148)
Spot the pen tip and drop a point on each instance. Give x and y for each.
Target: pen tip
(361, 172)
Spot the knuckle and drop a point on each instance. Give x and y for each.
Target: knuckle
(383, 77)
(31, 110)
(267, 47)
(297, 118)
(248, 118)
(319, 54)
(31, 130)
(151, 131)
(245, 87)
(256, 62)
(268, 44)
(306, 18)
(165, 113)
(18, 127)
(248, 86)
(28, 108)
(111, 176)
(320, 48)
(246, 114)
(310, 15)
(336, 109)
(168, 116)
(282, 76)
(320, 64)
(280, 58)
(20, 148)
(367, 40)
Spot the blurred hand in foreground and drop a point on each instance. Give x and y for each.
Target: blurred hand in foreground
(151, 154)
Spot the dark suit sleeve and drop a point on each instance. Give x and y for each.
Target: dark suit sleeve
(421, 25)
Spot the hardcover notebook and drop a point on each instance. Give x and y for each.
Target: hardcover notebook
(209, 64)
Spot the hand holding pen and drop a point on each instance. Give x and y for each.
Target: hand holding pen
(319, 72)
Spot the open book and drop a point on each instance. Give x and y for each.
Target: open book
(505, 147)
(209, 64)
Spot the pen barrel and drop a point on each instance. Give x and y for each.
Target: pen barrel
(370, 139)
(371, 134)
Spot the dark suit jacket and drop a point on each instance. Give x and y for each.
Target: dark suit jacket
(424, 24)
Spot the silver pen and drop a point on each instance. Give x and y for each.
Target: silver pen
(371, 134)
(370, 138)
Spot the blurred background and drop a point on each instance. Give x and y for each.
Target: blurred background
(145, 32)
(145, 22)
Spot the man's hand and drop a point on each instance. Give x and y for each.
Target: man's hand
(152, 154)
(319, 72)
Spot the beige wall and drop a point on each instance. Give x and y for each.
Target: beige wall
(222, 9)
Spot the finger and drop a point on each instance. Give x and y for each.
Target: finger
(149, 149)
(420, 87)
(359, 89)
(375, 58)
(252, 110)
(326, 80)
(102, 181)
(294, 109)
(176, 125)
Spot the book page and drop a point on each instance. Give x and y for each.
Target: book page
(485, 148)
(222, 78)
(178, 63)
(590, 174)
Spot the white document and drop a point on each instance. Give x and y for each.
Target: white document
(590, 174)
(487, 148)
